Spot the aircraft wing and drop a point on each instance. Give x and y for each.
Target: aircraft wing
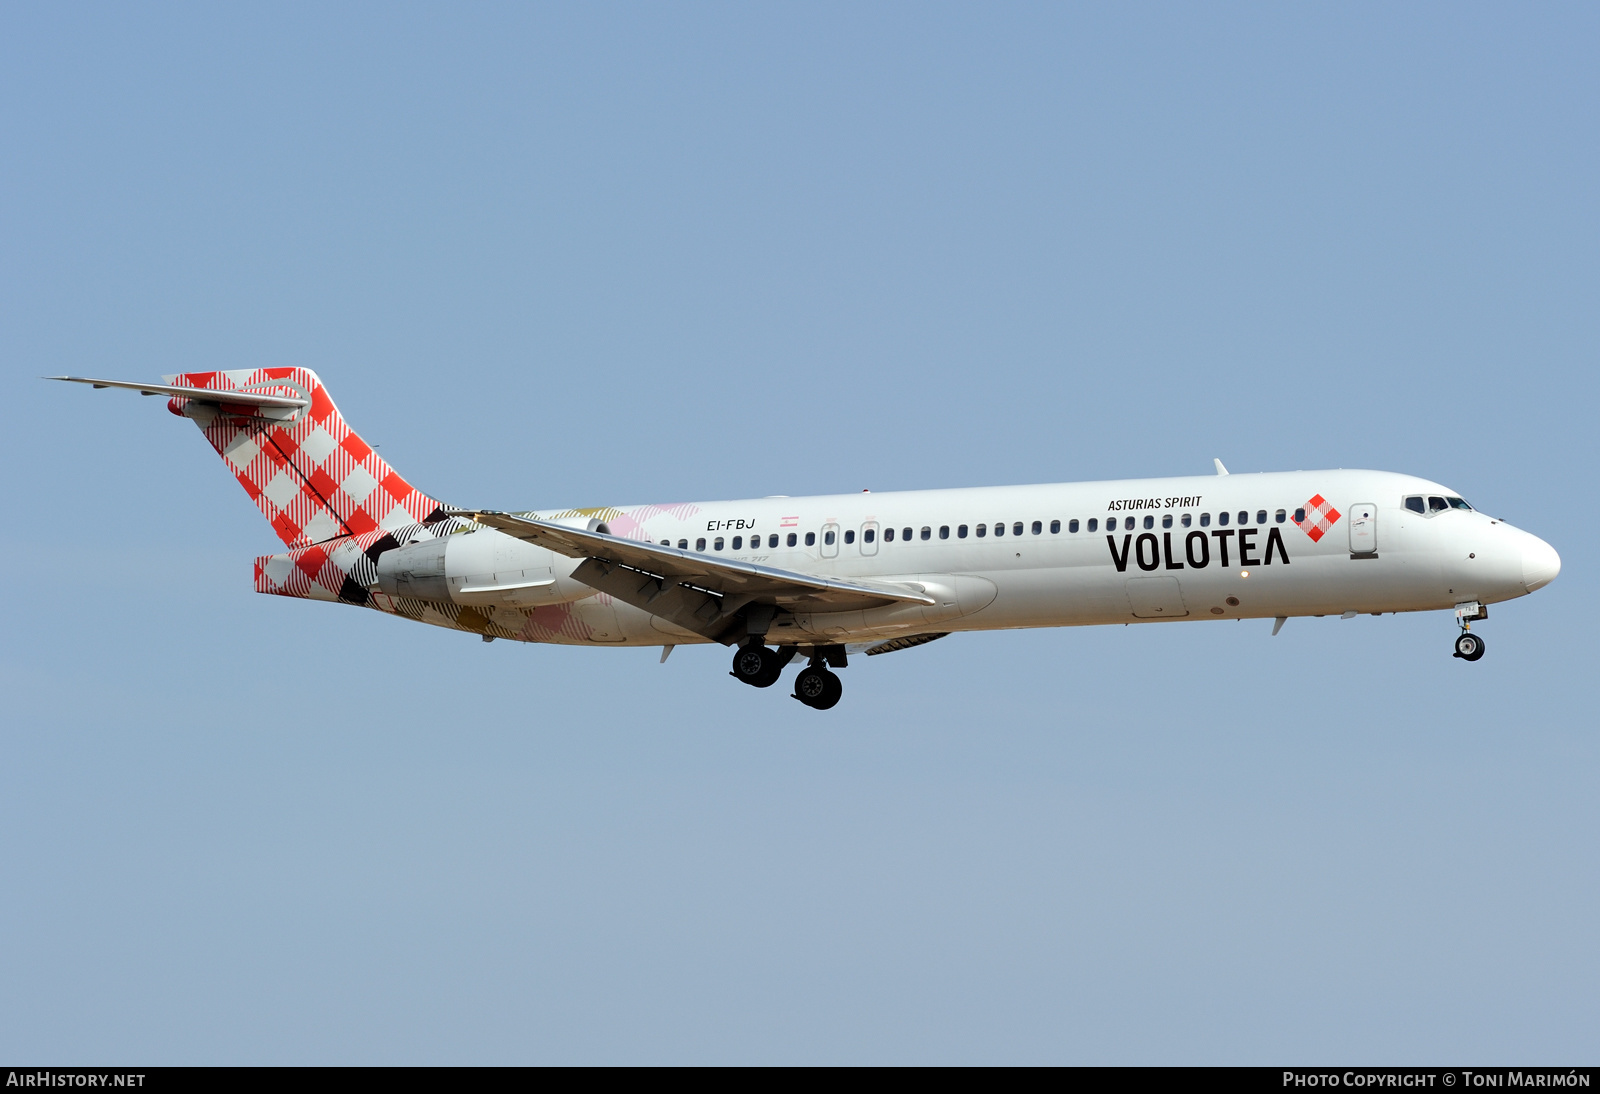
(702, 593)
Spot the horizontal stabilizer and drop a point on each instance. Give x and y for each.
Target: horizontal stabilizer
(198, 394)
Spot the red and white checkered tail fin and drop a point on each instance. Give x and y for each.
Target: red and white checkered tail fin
(309, 473)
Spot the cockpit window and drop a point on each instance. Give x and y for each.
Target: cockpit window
(1437, 504)
(1416, 504)
(1458, 503)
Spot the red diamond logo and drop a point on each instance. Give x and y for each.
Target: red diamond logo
(1320, 515)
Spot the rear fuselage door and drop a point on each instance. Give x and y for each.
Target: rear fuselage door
(1363, 528)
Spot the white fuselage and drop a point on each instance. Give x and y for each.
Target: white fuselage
(1172, 555)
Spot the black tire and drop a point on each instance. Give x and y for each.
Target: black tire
(831, 696)
(1469, 647)
(811, 687)
(776, 660)
(751, 664)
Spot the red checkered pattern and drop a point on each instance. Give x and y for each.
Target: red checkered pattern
(312, 477)
(1320, 516)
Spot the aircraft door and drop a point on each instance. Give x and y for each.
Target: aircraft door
(869, 537)
(1363, 528)
(830, 540)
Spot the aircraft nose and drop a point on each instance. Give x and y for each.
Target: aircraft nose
(1540, 563)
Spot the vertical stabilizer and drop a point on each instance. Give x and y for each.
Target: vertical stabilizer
(309, 473)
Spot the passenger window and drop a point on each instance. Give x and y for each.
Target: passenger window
(905, 534)
(961, 531)
(849, 535)
(1055, 528)
(1457, 503)
(700, 544)
(827, 538)
(927, 533)
(716, 544)
(792, 538)
(1016, 529)
(1187, 519)
(1039, 528)
(1205, 520)
(1416, 504)
(1166, 520)
(1244, 517)
(666, 543)
(869, 535)
(1149, 521)
(1261, 516)
(738, 543)
(1094, 524)
(888, 535)
(999, 529)
(944, 531)
(1222, 519)
(1072, 525)
(983, 530)
(811, 539)
(683, 545)
(772, 540)
(1437, 504)
(1280, 516)
(1299, 516)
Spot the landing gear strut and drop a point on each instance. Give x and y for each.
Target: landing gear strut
(1469, 647)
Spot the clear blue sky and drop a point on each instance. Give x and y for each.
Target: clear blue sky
(593, 254)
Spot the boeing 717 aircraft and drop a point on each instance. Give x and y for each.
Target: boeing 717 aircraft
(815, 580)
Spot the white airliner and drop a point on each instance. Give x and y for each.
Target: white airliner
(815, 579)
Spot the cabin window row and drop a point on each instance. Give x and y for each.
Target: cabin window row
(793, 540)
(983, 531)
(1187, 520)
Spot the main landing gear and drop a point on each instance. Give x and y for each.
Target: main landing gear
(756, 665)
(816, 687)
(1469, 647)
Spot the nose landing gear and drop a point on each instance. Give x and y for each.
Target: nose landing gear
(1469, 647)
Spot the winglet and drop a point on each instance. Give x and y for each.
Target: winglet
(1220, 469)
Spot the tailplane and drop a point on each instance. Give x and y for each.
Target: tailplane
(309, 473)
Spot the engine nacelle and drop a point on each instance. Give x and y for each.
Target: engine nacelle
(480, 569)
